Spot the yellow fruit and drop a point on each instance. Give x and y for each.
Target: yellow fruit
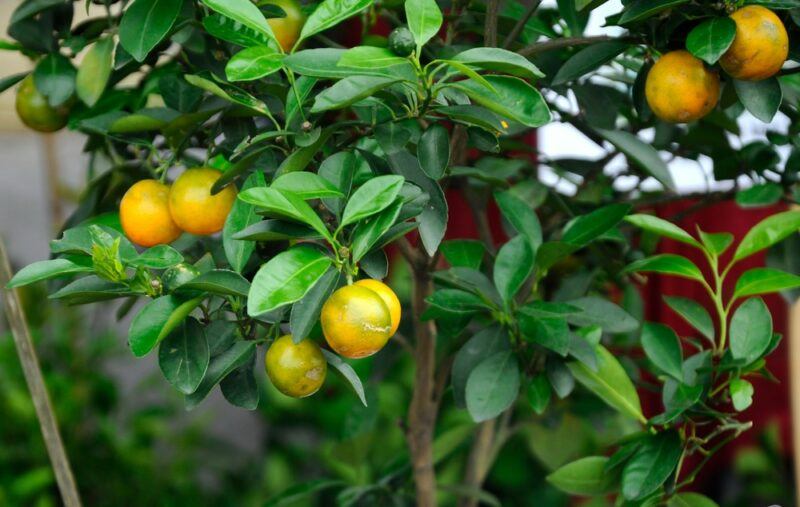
(287, 29)
(193, 207)
(296, 370)
(761, 45)
(34, 110)
(144, 214)
(356, 322)
(680, 88)
(388, 296)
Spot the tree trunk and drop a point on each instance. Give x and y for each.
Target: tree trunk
(479, 460)
(423, 408)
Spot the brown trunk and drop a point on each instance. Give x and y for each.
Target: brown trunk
(423, 408)
(479, 460)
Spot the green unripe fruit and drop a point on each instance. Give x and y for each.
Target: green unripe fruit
(401, 41)
(178, 275)
(34, 110)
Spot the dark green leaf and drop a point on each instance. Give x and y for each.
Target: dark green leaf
(639, 10)
(761, 98)
(183, 356)
(372, 197)
(514, 264)
(766, 233)
(466, 253)
(587, 60)
(347, 372)
(243, 11)
(764, 281)
(54, 77)
(584, 477)
(662, 227)
(219, 281)
(539, 393)
(350, 90)
(759, 195)
(667, 264)
(750, 330)
(305, 312)
(44, 270)
(640, 153)
(253, 63)
(693, 313)
(652, 464)
(433, 151)
(601, 312)
(663, 348)
(492, 386)
(241, 216)
(499, 60)
(240, 353)
(587, 228)
(513, 98)
(240, 388)
(156, 320)
(145, 23)
(521, 217)
(330, 13)
(711, 39)
(424, 19)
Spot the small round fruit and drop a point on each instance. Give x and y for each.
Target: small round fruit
(761, 45)
(296, 370)
(287, 29)
(389, 298)
(193, 207)
(356, 322)
(401, 41)
(680, 88)
(34, 110)
(145, 216)
(178, 275)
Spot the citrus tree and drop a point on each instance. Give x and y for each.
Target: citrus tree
(251, 163)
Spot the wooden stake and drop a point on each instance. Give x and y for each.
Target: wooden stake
(794, 387)
(35, 381)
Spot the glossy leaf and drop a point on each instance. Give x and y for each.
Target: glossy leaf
(521, 217)
(306, 185)
(156, 320)
(741, 394)
(639, 10)
(750, 330)
(499, 60)
(587, 228)
(183, 356)
(466, 253)
(54, 77)
(145, 23)
(492, 386)
(584, 477)
(424, 19)
(219, 281)
(663, 348)
(330, 13)
(370, 57)
(44, 270)
(651, 465)
(662, 227)
(641, 154)
(241, 216)
(764, 281)
(253, 63)
(94, 71)
(588, 59)
(761, 98)
(514, 264)
(601, 312)
(372, 197)
(667, 264)
(691, 500)
(347, 372)
(240, 353)
(692, 313)
(306, 311)
(766, 233)
(243, 11)
(285, 204)
(371, 230)
(433, 151)
(239, 386)
(286, 278)
(513, 98)
(711, 39)
(350, 90)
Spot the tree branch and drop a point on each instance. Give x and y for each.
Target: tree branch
(490, 26)
(553, 44)
(512, 36)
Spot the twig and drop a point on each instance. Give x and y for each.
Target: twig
(35, 381)
(490, 26)
(552, 44)
(512, 36)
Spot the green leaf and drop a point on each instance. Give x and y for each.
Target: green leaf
(370, 57)
(639, 10)
(285, 204)
(539, 393)
(691, 500)
(663, 348)
(350, 90)
(667, 264)
(766, 233)
(761, 98)
(232, 31)
(759, 195)
(229, 93)
(145, 23)
(239, 387)
(347, 372)
(587, 60)
(596, 311)
(370, 230)
(610, 383)
(245, 12)
(586, 228)
(711, 39)
(44, 270)
(330, 13)
(764, 281)
(716, 243)
(305, 312)
(514, 99)
(457, 301)
(94, 71)
(299, 159)
(183, 356)
(521, 217)
(157, 257)
(219, 281)
(694, 314)
(276, 230)
(485, 343)
(286, 278)
(741, 394)
(467, 253)
(514, 264)
(54, 77)
(641, 154)
(662, 227)
(306, 185)
(156, 320)
(253, 63)
(241, 216)
(424, 20)
(433, 151)
(324, 63)
(90, 289)
(372, 197)
(492, 386)
(584, 477)
(302, 491)
(549, 332)
(240, 353)
(652, 464)
(499, 60)
(750, 330)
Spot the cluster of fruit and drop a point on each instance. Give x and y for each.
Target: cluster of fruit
(680, 88)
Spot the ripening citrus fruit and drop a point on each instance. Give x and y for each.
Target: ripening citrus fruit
(287, 29)
(761, 45)
(193, 207)
(680, 88)
(144, 214)
(296, 370)
(34, 110)
(356, 322)
(389, 298)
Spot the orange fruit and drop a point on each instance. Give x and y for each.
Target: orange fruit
(356, 321)
(761, 45)
(144, 214)
(389, 298)
(680, 88)
(193, 207)
(34, 110)
(295, 369)
(287, 29)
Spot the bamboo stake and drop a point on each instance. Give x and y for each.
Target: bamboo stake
(35, 381)
(794, 388)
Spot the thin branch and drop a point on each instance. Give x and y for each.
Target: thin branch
(553, 44)
(490, 27)
(512, 36)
